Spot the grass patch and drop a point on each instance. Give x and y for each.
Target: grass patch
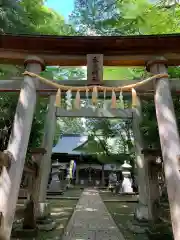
(109, 196)
(61, 211)
(122, 212)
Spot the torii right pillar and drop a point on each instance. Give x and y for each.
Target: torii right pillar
(169, 138)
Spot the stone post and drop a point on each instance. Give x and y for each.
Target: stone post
(77, 174)
(153, 183)
(169, 139)
(154, 194)
(42, 208)
(36, 155)
(18, 142)
(102, 178)
(141, 164)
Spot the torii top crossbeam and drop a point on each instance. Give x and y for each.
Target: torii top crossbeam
(72, 51)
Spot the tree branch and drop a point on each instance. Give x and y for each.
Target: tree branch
(103, 146)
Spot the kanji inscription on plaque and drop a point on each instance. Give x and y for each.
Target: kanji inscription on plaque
(95, 68)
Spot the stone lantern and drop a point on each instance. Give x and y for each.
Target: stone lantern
(127, 180)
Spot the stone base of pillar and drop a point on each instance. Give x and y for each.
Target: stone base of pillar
(46, 224)
(20, 233)
(43, 220)
(43, 210)
(140, 223)
(137, 227)
(141, 213)
(26, 227)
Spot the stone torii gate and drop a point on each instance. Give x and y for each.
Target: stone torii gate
(154, 52)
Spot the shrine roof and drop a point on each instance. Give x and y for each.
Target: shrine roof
(67, 143)
(14, 48)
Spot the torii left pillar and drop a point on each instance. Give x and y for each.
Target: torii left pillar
(18, 143)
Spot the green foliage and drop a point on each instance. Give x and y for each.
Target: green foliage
(69, 126)
(122, 73)
(149, 126)
(23, 17)
(7, 110)
(125, 17)
(12, 18)
(37, 129)
(108, 139)
(174, 72)
(88, 15)
(61, 73)
(8, 104)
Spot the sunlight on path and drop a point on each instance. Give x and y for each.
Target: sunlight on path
(91, 220)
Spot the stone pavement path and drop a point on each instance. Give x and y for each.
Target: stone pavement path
(91, 220)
